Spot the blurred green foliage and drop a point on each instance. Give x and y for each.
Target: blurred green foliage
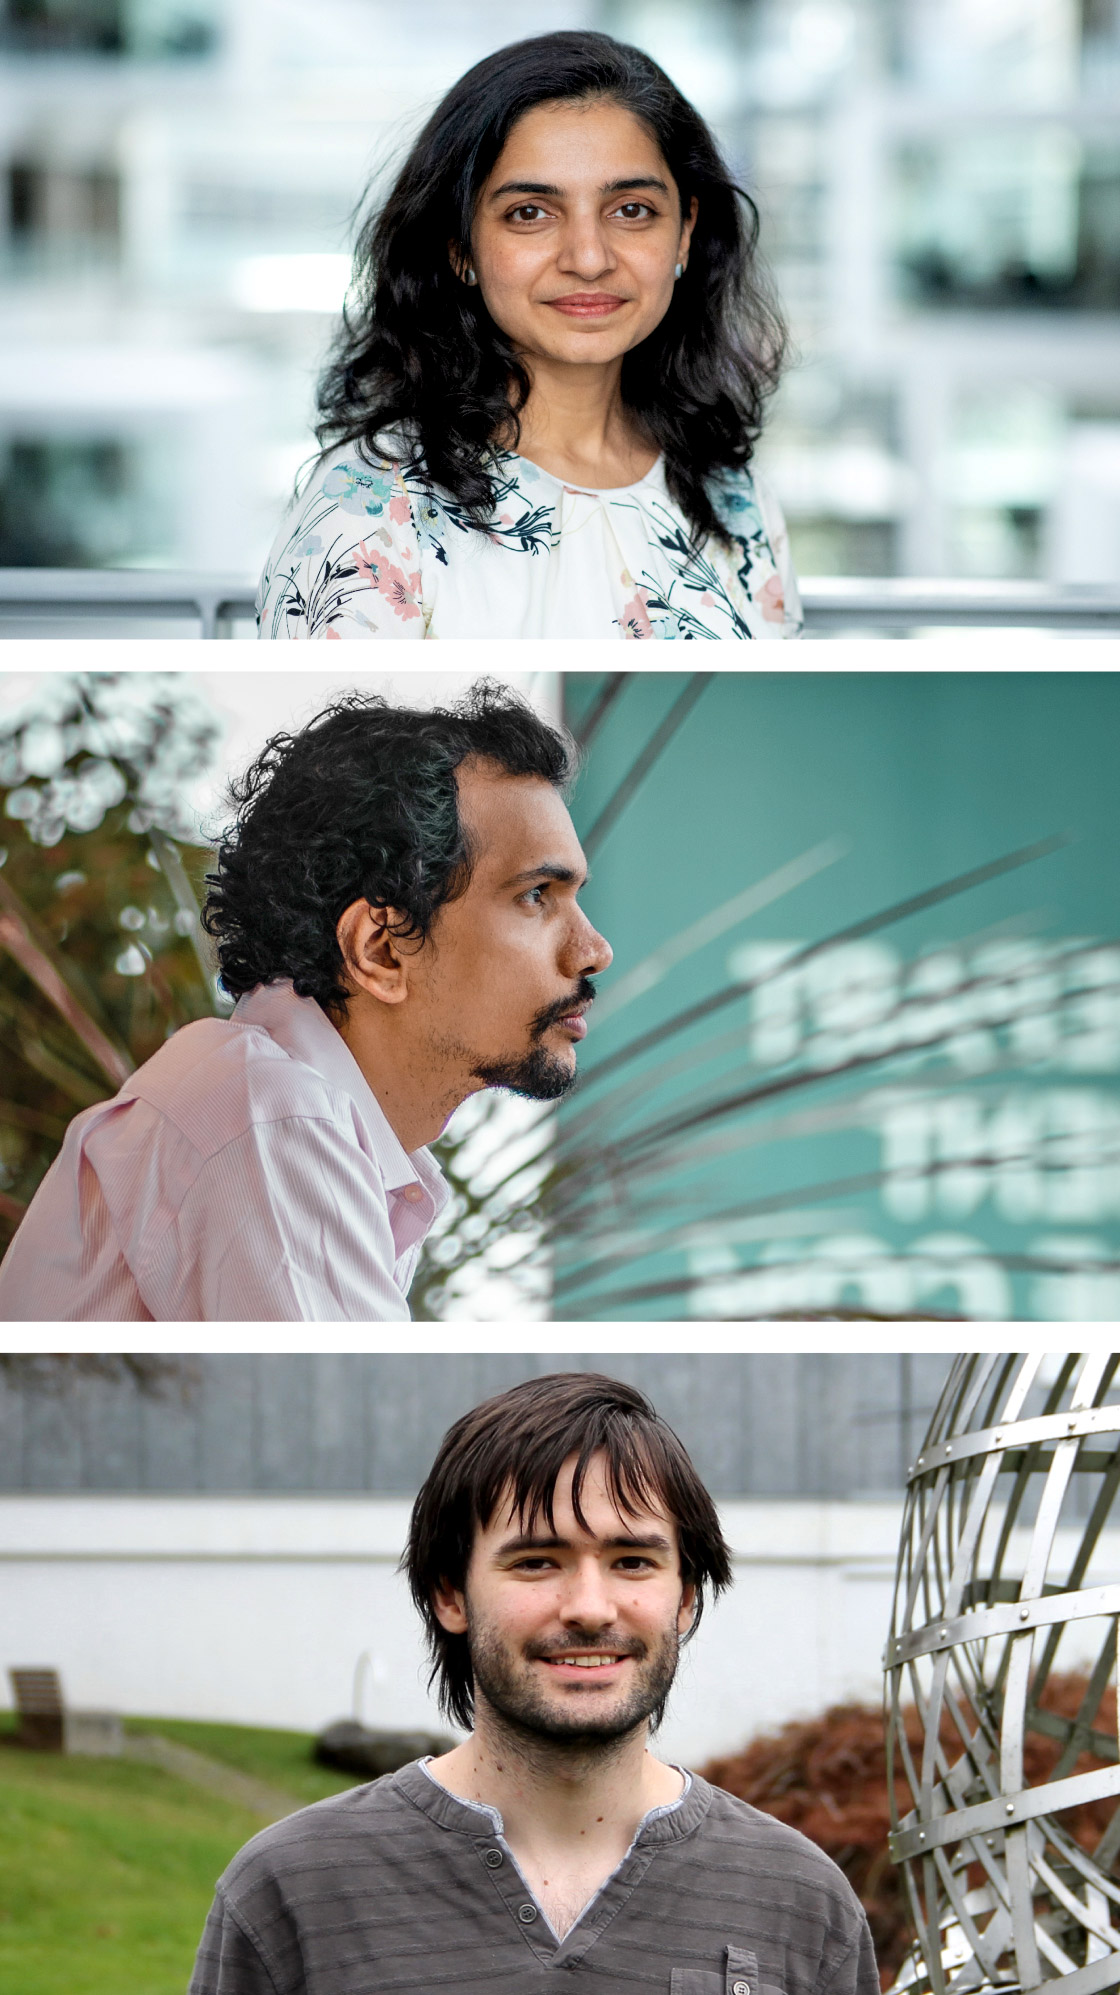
(99, 885)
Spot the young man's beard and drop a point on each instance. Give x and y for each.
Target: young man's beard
(539, 1074)
(527, 1711)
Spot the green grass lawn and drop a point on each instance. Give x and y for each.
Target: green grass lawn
(107, 1866)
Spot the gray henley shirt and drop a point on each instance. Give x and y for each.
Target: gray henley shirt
(399, 1888)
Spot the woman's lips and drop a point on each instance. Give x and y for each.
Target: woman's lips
(587, 304)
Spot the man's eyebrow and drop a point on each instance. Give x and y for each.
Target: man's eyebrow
(535, 1541)
(550, 870)
(556, 193)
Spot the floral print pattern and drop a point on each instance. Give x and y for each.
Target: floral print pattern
(370, 549)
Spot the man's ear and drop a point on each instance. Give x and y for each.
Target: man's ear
(450, 1608)
(686, 1614)
(373, 956)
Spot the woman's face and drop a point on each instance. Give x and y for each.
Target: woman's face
(577, 233)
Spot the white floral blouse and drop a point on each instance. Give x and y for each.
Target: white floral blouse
(370, 550)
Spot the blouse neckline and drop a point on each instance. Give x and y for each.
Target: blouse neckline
(590, 491)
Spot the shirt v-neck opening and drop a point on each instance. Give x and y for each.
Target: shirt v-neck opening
(563, 1943)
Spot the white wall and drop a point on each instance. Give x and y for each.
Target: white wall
(256, 1610)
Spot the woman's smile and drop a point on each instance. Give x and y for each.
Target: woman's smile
(587, 304)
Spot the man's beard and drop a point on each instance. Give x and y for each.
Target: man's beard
(538, 1074)
(526, 1711)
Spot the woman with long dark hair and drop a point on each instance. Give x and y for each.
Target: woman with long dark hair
(540, 411)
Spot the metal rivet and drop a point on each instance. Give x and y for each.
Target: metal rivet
(948, 1447)
(1024, 1613)
(921, 1461)
(1010, 1809)
(991, 1842)
(921, 1835)
(944, 1635)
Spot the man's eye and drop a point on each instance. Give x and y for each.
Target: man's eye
(536, 895)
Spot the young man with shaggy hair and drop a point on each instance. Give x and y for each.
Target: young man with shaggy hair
(396, 913)
(559, 1553)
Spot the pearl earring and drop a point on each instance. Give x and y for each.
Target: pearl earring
(679, 271)
(470, 276)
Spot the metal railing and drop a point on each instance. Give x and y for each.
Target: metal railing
(92, 602)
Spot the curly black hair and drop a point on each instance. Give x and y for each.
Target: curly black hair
(362, 803)
(418, 353)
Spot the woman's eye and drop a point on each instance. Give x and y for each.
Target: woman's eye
(529, 212)
(632, 211)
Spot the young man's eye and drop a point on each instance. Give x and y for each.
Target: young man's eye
(535, 895)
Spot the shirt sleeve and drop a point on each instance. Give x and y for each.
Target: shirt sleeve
(289, 1223)
(857, 1972)
(346, 562)
(229, 1961)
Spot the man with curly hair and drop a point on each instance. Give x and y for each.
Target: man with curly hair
(396, 913)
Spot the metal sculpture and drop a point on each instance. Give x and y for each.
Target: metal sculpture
(1003, 1584)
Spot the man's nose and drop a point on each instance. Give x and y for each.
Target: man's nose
(591, 952)
(587, 1602)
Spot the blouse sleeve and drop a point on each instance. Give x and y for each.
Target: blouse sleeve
(346, 562)
(787, 597)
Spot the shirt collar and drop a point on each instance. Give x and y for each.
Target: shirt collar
(668, 1823)
(303, 1030)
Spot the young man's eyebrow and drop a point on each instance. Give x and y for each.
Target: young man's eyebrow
(534, 1541)
(556, 193)
(550, 870)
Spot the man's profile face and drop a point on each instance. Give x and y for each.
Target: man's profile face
(573, 1633)
(502, 983)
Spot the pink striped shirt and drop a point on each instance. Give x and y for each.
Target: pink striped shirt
(245, 1173)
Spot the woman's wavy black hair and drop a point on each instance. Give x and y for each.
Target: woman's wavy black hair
(512, 1449)
(419, 353)
(362, 803)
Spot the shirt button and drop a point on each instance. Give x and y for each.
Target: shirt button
(740, 1988)
(526, 1914)
(492, 1859)
(413, 1194)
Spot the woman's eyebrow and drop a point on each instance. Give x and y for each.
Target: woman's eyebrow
(556, 193)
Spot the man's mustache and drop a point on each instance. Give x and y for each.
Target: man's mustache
(553, 1013)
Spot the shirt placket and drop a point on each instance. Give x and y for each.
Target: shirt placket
(499, 1860)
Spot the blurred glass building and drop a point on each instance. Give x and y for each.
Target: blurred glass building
(939, 183)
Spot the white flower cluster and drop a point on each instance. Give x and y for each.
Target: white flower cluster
(82, 743)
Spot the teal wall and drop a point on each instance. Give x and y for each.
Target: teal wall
(980, 1178)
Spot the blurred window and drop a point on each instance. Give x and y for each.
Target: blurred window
(67, 504)
(108, 27)
(62, 212)
(1009, 219)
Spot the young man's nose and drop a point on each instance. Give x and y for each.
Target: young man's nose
(587, 1601)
